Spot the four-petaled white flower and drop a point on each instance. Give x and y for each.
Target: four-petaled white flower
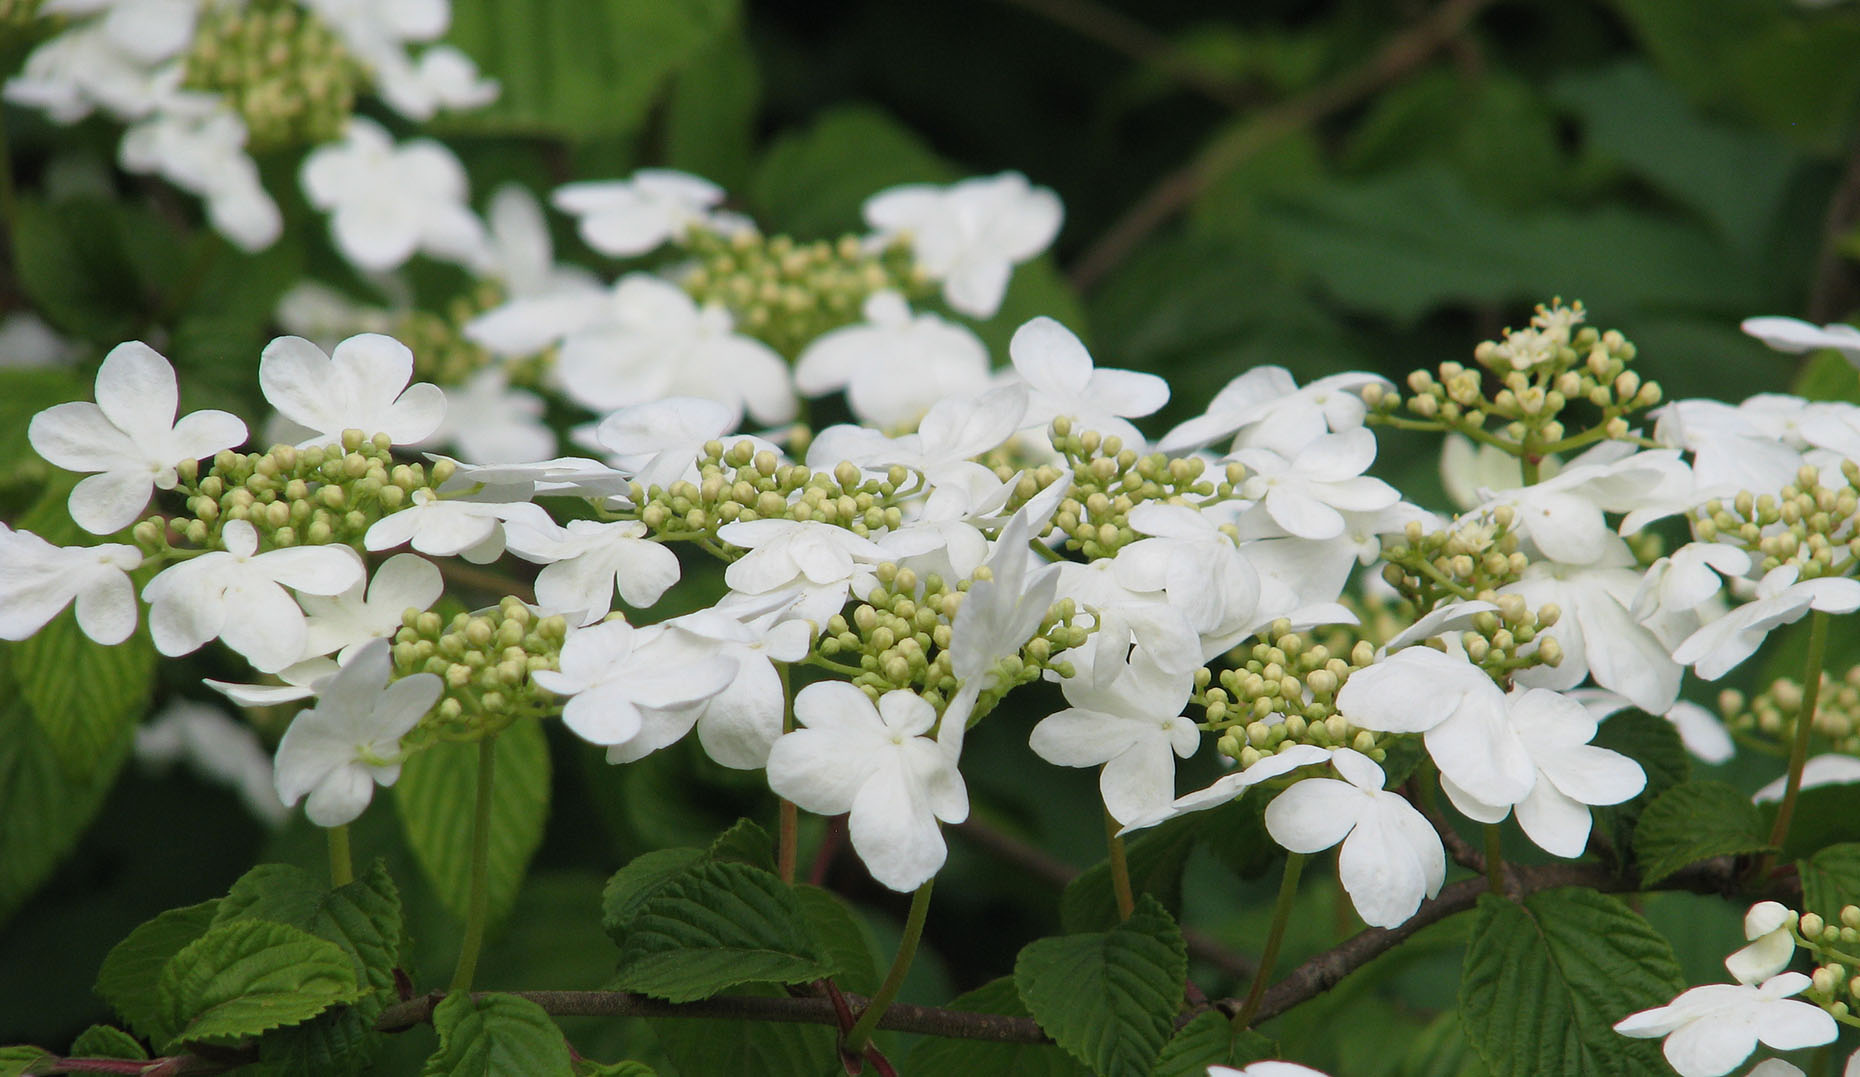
(1796, 336)
(362, 385)
(344, 623)
(339, 750)
(129, 437)
(1061, 380)
(387, 202)
(237, 594)
(971, 234)
(38, 580)
(470, 527)
(1131, 725)
(585, 561)
(1230, 786)
(1308, 493)
(1391, 857)
(628, 217)
(617, 675)
(659, 443)
(1717, 647)
(1710, 1030)
(874, 762)
(895, 364)
(1768, 926)
(738, 725)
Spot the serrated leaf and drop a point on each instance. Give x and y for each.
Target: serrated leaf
(633, 885)
(841, 936)
(1211, 1040)
(107, 1041)
(1692, 822)
(811, 183)
(496, 1036)
(131, 970)
(250, 976)
(1108, 998)
(1442, 1050)
(580, 70)
(434, 799)
(717, 926)
(363, 917)
(746, 1047)
(339, 1042)
(1544, 983)
(979, 1058)
(1154, 859)
(1831, 879)
(83, 694)
(1654, 743)
(627, 1068)
(18, 1059)
(745, 843)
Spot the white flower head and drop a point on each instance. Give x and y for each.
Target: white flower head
(971, 234)
(894, 365)
(1133, 726)
(343, 624)
(1391, 857)
(201, 149)
(616, 675)
(1717, 647)
(587, 560)
(1230, 786)
(1768, 926)
(660, 442)
(1061, 380)
(362, 385)
(1710, 1030)
(339, 750)
(629, 217)
(387, 202)
(129, 437)
(874, 762)
(1308, 493)
(38, 580)
(1795, 336)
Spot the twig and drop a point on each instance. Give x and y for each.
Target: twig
(1117, 31)
(1401, 55)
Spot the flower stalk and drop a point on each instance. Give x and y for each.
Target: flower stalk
(1804, 724)
(861, 1032)
(1281, 916)
(477, 907)
(341, 866)
(1120, 869)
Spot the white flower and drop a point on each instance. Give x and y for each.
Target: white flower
(1192, 562)
(1720, 645)
(386, 202)
(1391, 857)
(587, 560)
(489, 422)
(218, 748)
(969, 235)
(1131, 726)
(951, 434)
(1746, 447)
(1829, 769)
(873, 762)
(660, 442)
(1710, 1030)
(788, 553)
(522, 254)
(738, 725)
(1563, 515)
(1598, 635)
(1128, 622)
(616, 675)
(627, 217)
(26, 341)
(1229, 786)
(199, 146)
(1691, 576)
(1062, 381)
(442, 78)
(344, 623)
(1795, 336)
(468, 526)
(38, 580)
(338, 750)
(362, 385)
(1269, 1068)
(129, 437)
(894, 365)
(1265, 407)
(237, 594)
(1308, 493)
(1772, 946)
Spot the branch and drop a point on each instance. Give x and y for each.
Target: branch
(1117, 31)
(1401, 55)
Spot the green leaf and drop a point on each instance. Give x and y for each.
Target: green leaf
(812, 183)
(710, 119)
(1442, 1050)
(1544, 983)
(698, 1048)
(979, 1058)
(1831, 879)
(1154, 859)
(250, 976)
(1654, 743)
(1692, 822)
(744, 843)
(626, 1068)
(635, 884)
(71, 261)
(496, 1036)
(18, 1060)
(581, 70)
(24, 392)
(107, 1041)
(717, 926)
(434, 800)
(83, 714)
(842, 938)
(1828, 376)
(1211, 1040)
(1109, 998)
(131, 970)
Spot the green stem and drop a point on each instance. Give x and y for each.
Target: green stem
(789, 818)
(341, 868)
(477, 905)
(1281, 916)
(861, 1031)
(1120, 869)
(1494, 858)
(1804, 724)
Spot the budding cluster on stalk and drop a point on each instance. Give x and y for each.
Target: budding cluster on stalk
(1806, 524)
(444, 355)
(315, 496)
(1835, 983)
(1284, 692)
(744, 482)
(485, 660)
(283, 70)
(1471, 555)
(1109, 480)
(1771, 715)
(785, 293)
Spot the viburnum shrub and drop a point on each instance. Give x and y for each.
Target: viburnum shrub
(623, 507)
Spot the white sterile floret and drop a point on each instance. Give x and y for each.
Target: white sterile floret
(738, 725)
(789, 553)
(1061, 380)
(342, 624)
(628, 217)
(586, 560)
(1720, 645)
(237, 594)
(1701, 731)
(969, 235)
(1133, 726)
(1391, 857)
(1749, 446)
(1128, 623)
(216, 746)
(1467, 729)
(895, 364)
(1265, 407)
(616, 676)
(522, 253)
(1191, 561)
(1710, 1030)
(1795, 336)
(659, 443)
(129, 437)
(489, 422)
(38, 580)
(1230, 786)
(442, 78)
(1691, 576)
(198, 143)
(1308, 493)
(1563, 516)
(361, 385)
(470, 526)
(1828, 769)
(1000, 614)
(951, 434)
(874, 762)
(339, 750)
(387, 202)
(1268, 1068)
(649, 340)
(1768, 925)
(93, 65)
